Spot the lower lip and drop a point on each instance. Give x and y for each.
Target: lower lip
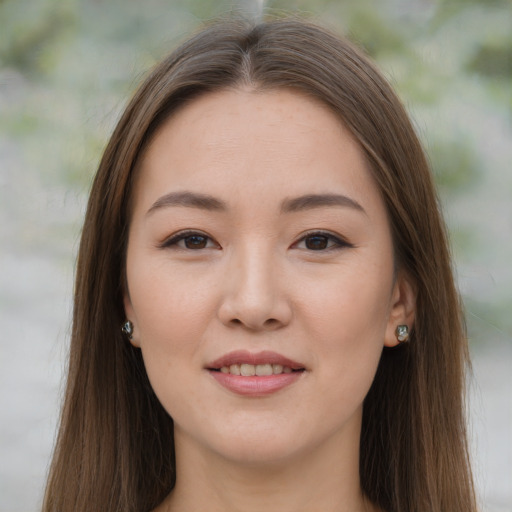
(255, 386)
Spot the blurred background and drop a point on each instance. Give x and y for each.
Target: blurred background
(67, 68)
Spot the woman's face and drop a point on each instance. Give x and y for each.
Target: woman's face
(260, 275)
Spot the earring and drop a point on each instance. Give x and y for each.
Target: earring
(127, 328)
(402, 333)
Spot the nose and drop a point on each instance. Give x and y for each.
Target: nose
(253, 296)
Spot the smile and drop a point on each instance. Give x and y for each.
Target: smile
(255, 375)
(250, 370)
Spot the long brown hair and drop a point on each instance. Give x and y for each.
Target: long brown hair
(115, 445)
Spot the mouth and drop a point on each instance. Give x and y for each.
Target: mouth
(260, 370)
(247, 364)
(258, 374)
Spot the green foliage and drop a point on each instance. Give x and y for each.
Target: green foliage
(32, 32)
(455, 165)
(492, 61)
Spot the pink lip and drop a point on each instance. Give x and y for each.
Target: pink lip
(246, 357)
(256, 386)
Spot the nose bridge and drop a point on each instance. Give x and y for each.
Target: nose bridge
(254, 296)
(256, 267)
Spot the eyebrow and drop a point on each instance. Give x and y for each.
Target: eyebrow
(312, 201)
(188, 200)
(210, 203)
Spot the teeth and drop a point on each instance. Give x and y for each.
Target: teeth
(249, 370)
(264, 369)
(277, 369)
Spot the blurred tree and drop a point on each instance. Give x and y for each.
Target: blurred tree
(33, 32)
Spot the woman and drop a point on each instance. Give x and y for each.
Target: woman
(264, 227)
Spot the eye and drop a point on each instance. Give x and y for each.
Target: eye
(320, 241)
(192, 240)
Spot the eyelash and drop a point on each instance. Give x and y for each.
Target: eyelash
(182, 236)
(333, 242)
(336, 242)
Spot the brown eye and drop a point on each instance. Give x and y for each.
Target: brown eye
(317, 242)
(321, 241)
(195, 242)
(190, 240)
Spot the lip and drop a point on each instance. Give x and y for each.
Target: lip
(246, 357)
(256, 386)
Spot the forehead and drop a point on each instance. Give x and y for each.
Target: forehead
(241, 143)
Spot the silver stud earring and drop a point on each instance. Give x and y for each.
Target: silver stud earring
(127, 329)
(402, 333)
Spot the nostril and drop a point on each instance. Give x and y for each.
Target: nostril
(270, 323)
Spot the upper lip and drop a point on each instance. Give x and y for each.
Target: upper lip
(246, 357)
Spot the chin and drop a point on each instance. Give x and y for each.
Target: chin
(260, 452)
(268, 443)
(254, 442)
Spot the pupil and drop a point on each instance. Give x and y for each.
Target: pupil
(316, 243)
(195, 242)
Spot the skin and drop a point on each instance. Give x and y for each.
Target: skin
(314, 283)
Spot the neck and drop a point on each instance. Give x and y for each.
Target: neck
(325, 479)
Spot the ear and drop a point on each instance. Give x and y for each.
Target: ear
(403, 307)
(130, 315)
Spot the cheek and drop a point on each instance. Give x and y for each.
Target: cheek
(171, 310)
(171, 316)
(348, 317)
(352, 304)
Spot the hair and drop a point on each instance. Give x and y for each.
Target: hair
(115, 448)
